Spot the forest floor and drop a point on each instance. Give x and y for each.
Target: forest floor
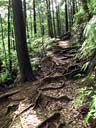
(48, 102)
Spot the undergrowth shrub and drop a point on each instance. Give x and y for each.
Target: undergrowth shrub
(88, 52)
(79, 24)
(92, 6)
(88, 49)
(89, 45)
(87, 95)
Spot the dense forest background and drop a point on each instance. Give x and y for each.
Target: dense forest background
(29, 31)
(43, 19)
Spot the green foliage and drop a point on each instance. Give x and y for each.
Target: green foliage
(79, 16)
(92, 6)
(83, 92)
(85, 66)
(38, 43)
(88, 94)
(78, 19)
(89, 45)
(4, 76)
(92, 112)
(38, 49)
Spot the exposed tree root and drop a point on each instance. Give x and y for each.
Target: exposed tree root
(61, 98)
(42, 97)
(69, 56)
(8, 94)
(16, 116)
(52, 78)
(53, 88)
(70, 50)
(52, 118)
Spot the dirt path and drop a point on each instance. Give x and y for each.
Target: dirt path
(50, 102)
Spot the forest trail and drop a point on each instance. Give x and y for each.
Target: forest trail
(47, 63)
(48, 102)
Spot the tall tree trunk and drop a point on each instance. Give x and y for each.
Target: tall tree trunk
(73, 5)
(31, 23)
(34, 14)
(9, 41)
(58, 19)
(25, 18)
(49, 19)
(42, 25)
(25, 14)
(21, 44)
(12, 33)
(54, 25)
(70, 14)
(66, 17)
(51, 25)
(42, 33)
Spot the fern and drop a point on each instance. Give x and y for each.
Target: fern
(92, 112)
(83, 92)
(89, 45)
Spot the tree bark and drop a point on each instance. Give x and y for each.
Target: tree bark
(31, 23)
(21, 44)
(73, 5)
(54, 25)
(66, 16)
(49, 19)
(34, 11)
(9, 41)
(58, 19)
(25, 15)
